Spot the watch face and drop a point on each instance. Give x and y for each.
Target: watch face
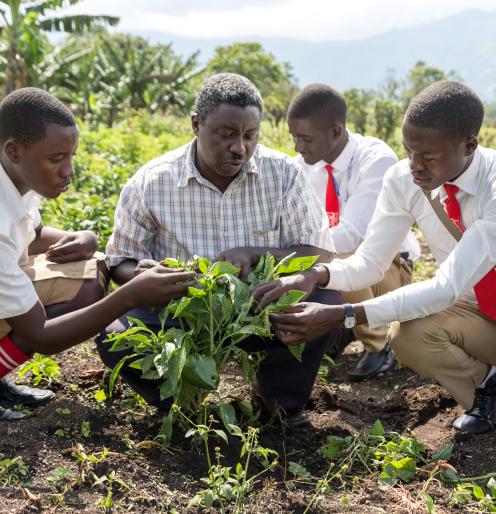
(349, 322)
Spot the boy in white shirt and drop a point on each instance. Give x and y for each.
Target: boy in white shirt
(443, 327)
(44, 272)
(347, 171)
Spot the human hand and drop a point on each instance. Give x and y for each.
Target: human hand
(306, 281)
(145, 264)
(159, 285)
(242, 257)
(74, 246)
(306, 321)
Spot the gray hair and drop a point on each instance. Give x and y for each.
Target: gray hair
(226, 88)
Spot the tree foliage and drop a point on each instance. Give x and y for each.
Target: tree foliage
(22, 36)
(274, 79)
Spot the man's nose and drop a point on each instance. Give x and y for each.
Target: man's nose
(238, 146)
(415, 162)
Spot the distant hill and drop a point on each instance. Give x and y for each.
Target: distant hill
(465, 43)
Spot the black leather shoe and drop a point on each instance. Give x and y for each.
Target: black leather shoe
(28, 396)
(482, 416)
(10, 415)
(371, 364)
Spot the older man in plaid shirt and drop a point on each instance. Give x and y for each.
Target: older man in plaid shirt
(225, 197)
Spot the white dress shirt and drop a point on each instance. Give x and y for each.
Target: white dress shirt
(168, 209)
(402, 203)
(358, 173)
(20, 217)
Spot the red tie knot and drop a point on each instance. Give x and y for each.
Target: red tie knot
(329, 169)
(451, 190)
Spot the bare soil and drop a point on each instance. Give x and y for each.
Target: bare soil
(165, 480)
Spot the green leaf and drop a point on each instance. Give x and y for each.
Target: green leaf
(116, 371)
(85, 429)
(245, 407)
(182, 305)
(429, 502)
(444, 453)
(201, 371)
(221, 267)
(298, 470)
(222, 435)
(296, 264)
(203, 265)
(296, 350)
(377, 429)
(227, 415)
(333, 447)
(166, 428)
(173, 263)
(176, 365)
(100, 396)
(194, 291)
(404, 468)
(287, 300)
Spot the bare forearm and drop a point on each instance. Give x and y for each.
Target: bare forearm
(60, 333)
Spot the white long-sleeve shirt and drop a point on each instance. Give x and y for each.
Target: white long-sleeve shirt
(358, 173)
(402, 203)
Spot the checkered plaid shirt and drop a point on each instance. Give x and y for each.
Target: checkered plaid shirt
(167, 209)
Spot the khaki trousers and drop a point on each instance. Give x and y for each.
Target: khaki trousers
(398, 275)
(454, 346)
(57, 283)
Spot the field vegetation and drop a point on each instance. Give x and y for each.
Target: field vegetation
(381, 446)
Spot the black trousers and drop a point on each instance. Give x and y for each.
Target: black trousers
(282, 378)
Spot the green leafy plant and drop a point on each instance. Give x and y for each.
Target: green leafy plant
(228, 486)
(12, 471)
(44, 370)
(214, 317)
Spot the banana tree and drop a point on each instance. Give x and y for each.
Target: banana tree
(23, 42)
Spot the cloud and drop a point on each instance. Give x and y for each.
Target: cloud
(312, 20)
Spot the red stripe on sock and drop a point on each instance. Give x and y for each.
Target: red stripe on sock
(10, 356)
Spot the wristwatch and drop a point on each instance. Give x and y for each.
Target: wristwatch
(349, 316)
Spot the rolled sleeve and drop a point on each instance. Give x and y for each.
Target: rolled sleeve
(134, 232)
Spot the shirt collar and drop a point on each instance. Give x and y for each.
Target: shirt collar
(190, 171)
(16, 205)
(343, 160)
(467, 181)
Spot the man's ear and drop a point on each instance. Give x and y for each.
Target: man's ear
(12, 151)
(195, 123)
(471, 145)
(336, 131)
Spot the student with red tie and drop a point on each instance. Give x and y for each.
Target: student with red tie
(346, 170)
(444, 327)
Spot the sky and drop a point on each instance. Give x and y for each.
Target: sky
(308, 20)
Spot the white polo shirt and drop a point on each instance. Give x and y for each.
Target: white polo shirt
(20, 217)
(358, 173)
(461, 265)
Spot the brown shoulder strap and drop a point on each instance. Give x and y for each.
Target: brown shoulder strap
(443, 217)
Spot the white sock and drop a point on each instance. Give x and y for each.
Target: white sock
(492, 371)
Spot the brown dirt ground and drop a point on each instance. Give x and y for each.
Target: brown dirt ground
(165, 480)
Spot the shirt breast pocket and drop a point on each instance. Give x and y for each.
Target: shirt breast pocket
(265, 238)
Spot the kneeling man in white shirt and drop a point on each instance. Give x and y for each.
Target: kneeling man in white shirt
(444, 327)
(347, 171)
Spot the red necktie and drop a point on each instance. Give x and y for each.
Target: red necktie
(332, 201)
(485, 289)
